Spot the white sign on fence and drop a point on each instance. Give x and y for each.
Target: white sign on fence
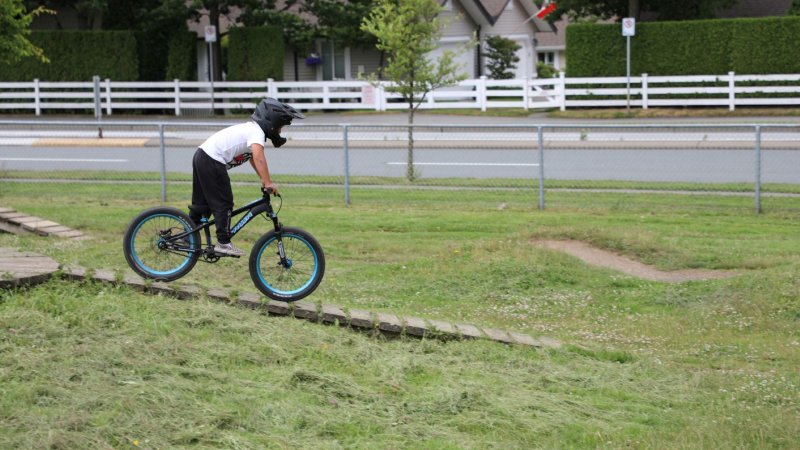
(629, 26)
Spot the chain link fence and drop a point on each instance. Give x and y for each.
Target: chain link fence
(563, 166)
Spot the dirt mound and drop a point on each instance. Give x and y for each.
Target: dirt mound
(604, 258)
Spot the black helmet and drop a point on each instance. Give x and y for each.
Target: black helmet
(271, 114)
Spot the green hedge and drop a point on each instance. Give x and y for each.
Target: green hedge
(255, 53)
(78, 56)
(702, 47)
(182, 56)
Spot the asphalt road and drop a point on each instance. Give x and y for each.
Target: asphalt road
(692, 165)
(484, 149)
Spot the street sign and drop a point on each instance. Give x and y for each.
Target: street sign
(629, 26)
(211, 33)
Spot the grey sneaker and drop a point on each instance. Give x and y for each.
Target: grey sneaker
(228, 249)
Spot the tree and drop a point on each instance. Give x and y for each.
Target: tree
(502, 55)
(665, 9)
(15, 22)
(407, 31)
(298, 34)
(794, 10)
(90, 12)
(214, 9)
(341, 21)
(156, 23)
(336, 20)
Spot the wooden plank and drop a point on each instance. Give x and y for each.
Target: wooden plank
(18, 268)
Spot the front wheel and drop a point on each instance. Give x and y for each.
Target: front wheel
(294, 277)
(151, 248)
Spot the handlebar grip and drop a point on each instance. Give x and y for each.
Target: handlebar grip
(269, 191)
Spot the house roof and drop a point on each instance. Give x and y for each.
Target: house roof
(483, 12)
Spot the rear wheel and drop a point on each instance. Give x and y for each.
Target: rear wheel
(151, 252)
(297, 276)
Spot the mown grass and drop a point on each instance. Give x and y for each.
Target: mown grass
(452, 183)
(634, 113)
(704, 364)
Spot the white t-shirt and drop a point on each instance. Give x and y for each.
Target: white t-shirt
(231, 146)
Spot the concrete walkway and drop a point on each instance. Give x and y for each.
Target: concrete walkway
(18, 268)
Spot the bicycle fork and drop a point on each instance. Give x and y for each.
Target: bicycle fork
(285, 262)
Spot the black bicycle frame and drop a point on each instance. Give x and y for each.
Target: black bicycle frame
(254, 208)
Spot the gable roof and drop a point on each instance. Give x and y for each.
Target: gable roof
(484, 12)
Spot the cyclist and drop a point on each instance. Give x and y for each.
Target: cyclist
(226, 149)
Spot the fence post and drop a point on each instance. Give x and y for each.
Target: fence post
(272, 91)
(540, 137)
(163, 163)
(758, 169)
(108, 96)
(380, 94)
(346, 146)
(37, 100)
(177, 83)
(526, 93)
(644, 91)
(562, 91)
(482, 97)
(98, 112)
(731, 91)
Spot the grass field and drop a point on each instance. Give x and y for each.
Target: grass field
(704, 364)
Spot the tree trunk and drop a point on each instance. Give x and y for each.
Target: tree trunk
(634, 9)
(213, 19)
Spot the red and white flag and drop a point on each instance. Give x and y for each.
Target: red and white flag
(546, 9)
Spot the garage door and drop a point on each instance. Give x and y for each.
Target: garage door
(466, 60)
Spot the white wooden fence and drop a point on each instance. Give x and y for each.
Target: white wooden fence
(109, 97)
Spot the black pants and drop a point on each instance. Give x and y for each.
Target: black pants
(211, 194)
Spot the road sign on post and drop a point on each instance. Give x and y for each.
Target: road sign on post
(629, 26)
(211, 33)
(211, 37)
(628, 30)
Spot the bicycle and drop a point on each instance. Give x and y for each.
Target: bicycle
(286, 263)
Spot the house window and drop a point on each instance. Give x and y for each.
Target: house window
(334, 61)
(548, 58)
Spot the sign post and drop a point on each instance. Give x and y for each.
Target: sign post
(628, 30)
(211, 37)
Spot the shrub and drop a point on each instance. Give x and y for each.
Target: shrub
(182, 57)
(701, 47)
(501, 54)
(255, 53)
(78, 56)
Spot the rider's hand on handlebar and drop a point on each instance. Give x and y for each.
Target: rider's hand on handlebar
(269, 189)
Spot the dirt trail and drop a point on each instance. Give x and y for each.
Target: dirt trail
(604, 258)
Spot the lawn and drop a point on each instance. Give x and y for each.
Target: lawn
(703, 364)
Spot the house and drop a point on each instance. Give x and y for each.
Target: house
(483, 18)
(551, 45)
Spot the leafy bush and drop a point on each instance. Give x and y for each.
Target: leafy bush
(255, 53)
(78, 56)
(501, 54)
(701, 47)
(182, 57)
(545, 70)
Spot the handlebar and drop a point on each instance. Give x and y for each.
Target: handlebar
(266, 192)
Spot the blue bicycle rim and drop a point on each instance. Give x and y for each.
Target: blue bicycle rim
(310, 279)
(134, 254)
